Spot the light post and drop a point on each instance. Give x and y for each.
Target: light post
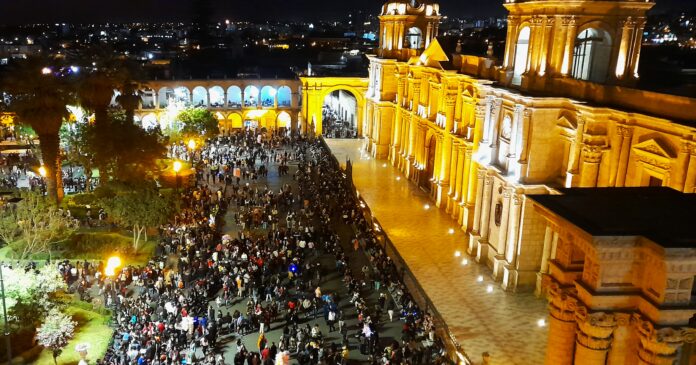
(177, 168)
(8, 342)
(192, 149)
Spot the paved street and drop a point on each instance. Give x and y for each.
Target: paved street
(503, 324)
(331, 282)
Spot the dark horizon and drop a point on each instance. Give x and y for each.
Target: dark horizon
(15, 12)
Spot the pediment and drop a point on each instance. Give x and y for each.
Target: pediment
(654, 147)
(565, 123)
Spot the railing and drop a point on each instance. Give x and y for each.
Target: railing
(454, 349)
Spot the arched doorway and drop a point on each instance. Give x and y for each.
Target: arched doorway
(235, 121)
(283, 122)
(149, 121)
(425, 179)
(339, 115)
(164, 96)
(147, 99)
(521, 53)
(591, 55)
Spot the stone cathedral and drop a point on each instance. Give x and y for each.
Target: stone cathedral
(498, 143)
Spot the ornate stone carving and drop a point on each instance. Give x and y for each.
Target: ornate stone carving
(568, 20)
(592, 154)
(562, 302)
(595, 329)
(624, 131)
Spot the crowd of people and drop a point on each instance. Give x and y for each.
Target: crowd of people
(243, 257)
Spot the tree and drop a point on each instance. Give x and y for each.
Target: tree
(197, 122)
(138, 206)
(40, 92)
(55, 332)
(76, 148)
(29, 293)
(38, 225)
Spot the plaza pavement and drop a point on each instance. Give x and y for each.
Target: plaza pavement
(500, 323)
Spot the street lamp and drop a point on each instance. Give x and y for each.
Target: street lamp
(177, 168)
(112, 264)
(42, 171)
(192, 148)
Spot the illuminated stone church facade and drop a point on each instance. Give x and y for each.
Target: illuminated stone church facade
(559, 111)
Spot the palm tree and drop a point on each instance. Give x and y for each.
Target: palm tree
(129, 87)
(39, 93)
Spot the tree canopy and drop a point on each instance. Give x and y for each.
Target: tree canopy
(198, 122)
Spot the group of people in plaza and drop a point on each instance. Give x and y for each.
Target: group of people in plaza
(335, 126)
(252, 273)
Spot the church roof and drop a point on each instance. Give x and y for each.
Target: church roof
(663, 215)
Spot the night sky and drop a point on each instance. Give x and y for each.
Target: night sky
(36, 11)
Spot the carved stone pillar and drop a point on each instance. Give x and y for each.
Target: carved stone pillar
(660, 346)
(681, 166)
(570, 24)
(476, 225)
(562, 326)
(592, 156)
(482, 252)
(594, 337)
(513, 228)
(512, 22)
(626, 134)
(623, 347)
(504, 219)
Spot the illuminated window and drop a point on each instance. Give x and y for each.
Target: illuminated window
(591, 55)
(521, 53)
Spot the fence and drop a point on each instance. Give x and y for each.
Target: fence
(454, 349)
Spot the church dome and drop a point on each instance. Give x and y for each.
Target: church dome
(411, 7)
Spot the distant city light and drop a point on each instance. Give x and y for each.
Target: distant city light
(46, 70)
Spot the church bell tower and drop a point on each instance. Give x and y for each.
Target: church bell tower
(406, 27)
(590, 40)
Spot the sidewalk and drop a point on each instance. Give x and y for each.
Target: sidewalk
(479, 313)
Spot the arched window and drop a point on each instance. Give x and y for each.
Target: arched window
(521, 53)
(234, 97)
(182, 96)
(284, 97)
(268, 94)
(414, 38)
(164, 96)
(251, 94)
(147, 99)
(217, 96)
(591, 55)
(200, 96)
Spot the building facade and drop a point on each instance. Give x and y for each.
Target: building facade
(621, 284)
(558, 111)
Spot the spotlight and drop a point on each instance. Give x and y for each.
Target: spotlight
(457, 253)
(426, 207)
(479, 279)
(541, 323)
(465, 262)
(489, 289)
(451, 231)
(384, 165)
(398, 178)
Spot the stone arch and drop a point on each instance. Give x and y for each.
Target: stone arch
(592, 53)
(284, 96)
(360, 107)
(251, 96)
(182, 95)
(234, 97)
(217, 96)
(148, 99)
(149, 121)
(199, 96)
(284, 120)
(414, 38)
(521, 54)
(235, 120)
(164, 95)
(267, 96)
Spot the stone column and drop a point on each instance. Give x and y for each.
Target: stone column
(679, 174)
(485, 218)
(469, 188)
(453, 177)
(594, 337)
(562, 326)
(626, 134)
(570, 24)
(690, 180)
(622, 66)
(504, 219)
(545, 258)
(660, 346)
(462, 176)
(592, 156)
(623, 349)
(637, 43)
(512, 22)
(513, 229)
(575, 152)
(546, 51)
(523, 149)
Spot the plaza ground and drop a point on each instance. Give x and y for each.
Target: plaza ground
(500, 323)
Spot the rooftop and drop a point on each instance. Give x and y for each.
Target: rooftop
(663, 215)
